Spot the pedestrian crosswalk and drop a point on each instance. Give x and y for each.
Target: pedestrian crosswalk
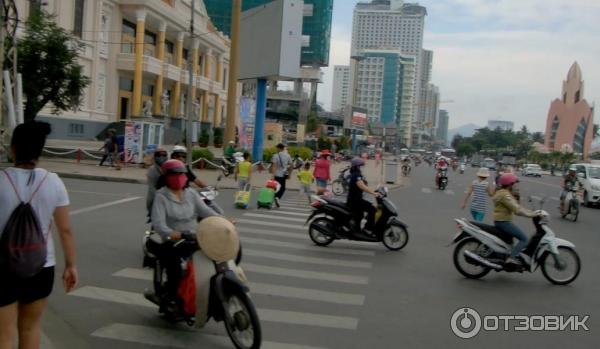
(295, 285)
(449, 192)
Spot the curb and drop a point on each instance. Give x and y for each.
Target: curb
(99, 178)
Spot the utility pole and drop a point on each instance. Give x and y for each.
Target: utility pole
(188, 104)
(2, 39)
(234, 57)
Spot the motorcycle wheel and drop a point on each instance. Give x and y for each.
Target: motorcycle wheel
(337, 187)
(463, 266)
(574, 212)
(395, 238)
(226, 172)
(316, 236)
(244, 331)
(553, 269)
(159, 278)
(442, 186)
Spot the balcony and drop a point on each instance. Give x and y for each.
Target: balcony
(126, 62)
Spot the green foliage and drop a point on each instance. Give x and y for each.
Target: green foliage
(494, 142)
(203, 138)
(204, 153)
(218, 135)
(595, 156)
(343, 143)
(313, 122)
(48, 60)
(323, 143)
(305, 153)
(465, 148)
(537, 137)
(268, 154)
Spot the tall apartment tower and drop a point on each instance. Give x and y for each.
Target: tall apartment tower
(426, 67)
(389, 25)
(341, 87)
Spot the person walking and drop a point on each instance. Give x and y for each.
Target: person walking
(107, 149)
(479, 189)
(243, 172)
(23, 297)
(322, 171)
(112, 133)
(306, 179)
(280, 170)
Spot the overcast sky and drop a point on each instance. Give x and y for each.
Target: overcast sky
(496, 59)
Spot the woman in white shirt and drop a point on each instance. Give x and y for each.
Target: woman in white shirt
(23, 299)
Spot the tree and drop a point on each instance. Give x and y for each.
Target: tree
(465, 148)
(48, 60)
(537, 137)
(312, 123)
(456, 140)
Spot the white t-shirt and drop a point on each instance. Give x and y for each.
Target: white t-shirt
(52, 194)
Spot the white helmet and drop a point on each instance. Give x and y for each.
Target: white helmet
(178, 149)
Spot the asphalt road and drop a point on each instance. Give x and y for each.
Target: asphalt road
(347, 295)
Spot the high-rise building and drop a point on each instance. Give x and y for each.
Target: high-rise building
(341, 88)
(384, 87)
(501, 124)
(570, 121)
(442, 128)
(390, 25)
(432, 107)
(425, 77)
(316, 26)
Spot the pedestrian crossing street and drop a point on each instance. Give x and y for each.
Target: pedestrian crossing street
(298, 288)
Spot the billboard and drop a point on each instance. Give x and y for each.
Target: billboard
(359, 119)
(356, 118)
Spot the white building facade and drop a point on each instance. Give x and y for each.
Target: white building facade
(341, 88)
(503, 125)
(390, 25)
(125, 83)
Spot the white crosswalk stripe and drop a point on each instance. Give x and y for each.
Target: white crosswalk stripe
(290, 219)
(273, 315)
(426, 190)
(272, 224)
(306, 274)
(448, 192)
(307, 260)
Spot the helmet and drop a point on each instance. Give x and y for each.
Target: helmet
(173, 166)
(572, 169)
(178, 150)
(508, 179)
(356, 162)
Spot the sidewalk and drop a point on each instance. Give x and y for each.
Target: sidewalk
(88, 170)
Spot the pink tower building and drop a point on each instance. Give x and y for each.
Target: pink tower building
(570, 122)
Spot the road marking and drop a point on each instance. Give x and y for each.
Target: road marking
(555, 198)
(305, 274)
(305, 206)
(157, 336)
(274, 216)
(449, 192)
(305, 215)
(309, 260)
(306, 247)
(271, 224)
(303, 201)
(272, 315)
(108, 204)
(282, 234)
(426, 190)
(268, 289)
(305, 210)
(97, 193)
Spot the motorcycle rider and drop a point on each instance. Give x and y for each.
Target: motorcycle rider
(180, 153)
(505, 206)
(406, 162)
(569, 181)
(229, 151)
(440, 166)
(355, 200)
(175, 214)
(153, 176)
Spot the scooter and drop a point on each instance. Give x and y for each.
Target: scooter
(333, 220)
(339, 186)
(481, 248)
(230, 164)
(441, 179)
(222, 292)
(571, 204)
(406, 170)
(462, 169)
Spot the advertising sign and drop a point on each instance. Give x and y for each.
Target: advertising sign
(133, 140)
(246, 123)
(359, 119)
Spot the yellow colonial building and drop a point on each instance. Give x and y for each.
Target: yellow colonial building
(137, 55)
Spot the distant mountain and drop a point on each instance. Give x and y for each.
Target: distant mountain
(465, 130)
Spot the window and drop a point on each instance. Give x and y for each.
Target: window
(579, 139)
(76, 129)
(577, 96)
(149, 38)
(78, 15)
(126, 84)
(147, 90)
(555, 125)
(169, 46)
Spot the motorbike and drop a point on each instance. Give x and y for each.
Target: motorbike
(208, 195)
(229, 164)
(297, 162)
(333, 220)
(441, 179)
(406, 170)
(462, 169)
(481, 248)
(222, 292)
(339, 186)
(571, 204)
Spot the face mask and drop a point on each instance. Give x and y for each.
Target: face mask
(160, 160)
(176, 181)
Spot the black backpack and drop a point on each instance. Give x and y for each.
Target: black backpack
(23, 245)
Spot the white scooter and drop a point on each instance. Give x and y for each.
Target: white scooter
(229, 165)
(481, 248)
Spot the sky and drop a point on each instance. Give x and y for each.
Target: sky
(496, 59)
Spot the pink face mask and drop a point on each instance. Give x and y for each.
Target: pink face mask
(176, 181)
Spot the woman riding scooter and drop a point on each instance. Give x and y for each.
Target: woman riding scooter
(355, 200)
(175, 216)
(505, 206)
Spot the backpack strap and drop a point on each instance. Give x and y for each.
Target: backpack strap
(13, 185)
(38, 187)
